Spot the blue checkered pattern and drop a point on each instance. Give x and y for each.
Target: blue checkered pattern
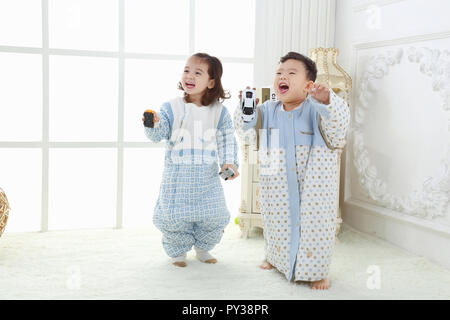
(227, 146)
(191, 208)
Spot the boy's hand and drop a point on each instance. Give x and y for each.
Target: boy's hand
(240, 95)
(320, 92)
(236, 173)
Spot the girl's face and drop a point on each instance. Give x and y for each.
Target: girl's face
(195, 78)
(290, 82)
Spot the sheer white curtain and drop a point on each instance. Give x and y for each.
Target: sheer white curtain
(289, 25)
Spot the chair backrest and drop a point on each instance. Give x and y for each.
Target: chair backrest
(4, 211)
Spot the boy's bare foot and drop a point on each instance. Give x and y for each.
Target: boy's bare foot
(214, 260)
(179, 263)
(266, 266)
(323, 284)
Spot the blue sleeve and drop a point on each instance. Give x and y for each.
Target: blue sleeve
(227, 146)
(163, 128)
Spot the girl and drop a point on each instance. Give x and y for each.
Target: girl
(191, 209)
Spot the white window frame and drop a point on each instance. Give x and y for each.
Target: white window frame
(45, 145)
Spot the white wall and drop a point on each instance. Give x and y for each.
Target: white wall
(397, 168)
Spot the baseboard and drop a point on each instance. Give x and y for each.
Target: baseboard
(418, 236)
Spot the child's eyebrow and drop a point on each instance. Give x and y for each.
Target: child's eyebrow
(290, 69)
(197, 69)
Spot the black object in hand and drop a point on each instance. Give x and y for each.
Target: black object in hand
(148, 121)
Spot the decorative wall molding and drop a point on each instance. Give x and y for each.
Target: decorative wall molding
(432, 199)
(377, 3)
(402, 40)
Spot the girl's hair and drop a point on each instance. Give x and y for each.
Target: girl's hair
(215, 71)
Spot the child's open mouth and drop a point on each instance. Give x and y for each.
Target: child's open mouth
(283, 88)
(190, 85)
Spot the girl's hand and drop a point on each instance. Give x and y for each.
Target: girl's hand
(320, 92)
(236, 173)
(240, 95)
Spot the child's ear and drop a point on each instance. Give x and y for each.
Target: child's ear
(211, 84)
(309, 85)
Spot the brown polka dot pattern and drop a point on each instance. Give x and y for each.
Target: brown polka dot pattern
(274, 202)
(335, 128)
(318, 184)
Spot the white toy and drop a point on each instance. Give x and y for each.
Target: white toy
(227, 173)
(273, 96)
(248, 105)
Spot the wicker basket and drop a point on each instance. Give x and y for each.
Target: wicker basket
(4, 211)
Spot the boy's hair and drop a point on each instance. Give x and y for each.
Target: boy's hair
(215, 71)
(310, 65)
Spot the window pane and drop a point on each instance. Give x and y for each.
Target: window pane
(82, 188)
(20, 23)
(21, 97)
(148, 84)
(157, 26)
(142, 178)
(220, 23)
(21, 179)
(83, 24)
(83, 98)
(236, 76)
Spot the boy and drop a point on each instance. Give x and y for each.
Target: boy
(299, 138)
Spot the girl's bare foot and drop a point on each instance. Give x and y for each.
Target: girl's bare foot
(266, 266)
(179, 261)
(323, 284)
(204, 256)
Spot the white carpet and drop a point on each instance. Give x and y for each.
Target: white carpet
(131, 264)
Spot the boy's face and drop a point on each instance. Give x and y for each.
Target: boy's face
(195, 77)
(290, 83)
